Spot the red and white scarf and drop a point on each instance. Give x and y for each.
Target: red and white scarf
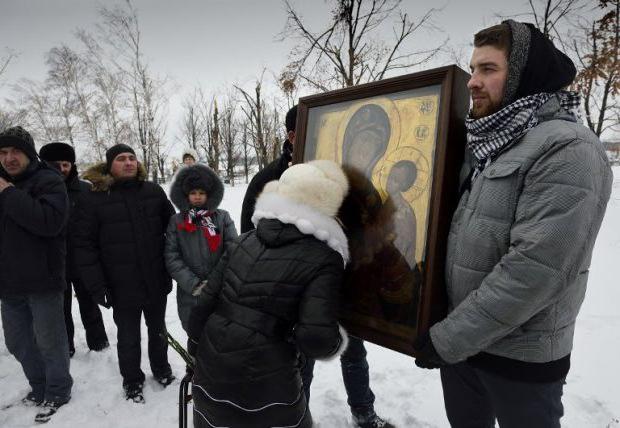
(198, 218)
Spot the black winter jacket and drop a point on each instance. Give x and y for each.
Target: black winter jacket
(274, 293)
(119, 237)
(271, 172)
(33, 216)
(76, 189)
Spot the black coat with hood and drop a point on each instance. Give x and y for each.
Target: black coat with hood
(33, 218)
(271, 172)
(274, 293)
(118, 237)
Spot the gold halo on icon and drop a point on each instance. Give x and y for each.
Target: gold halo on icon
(423, 171)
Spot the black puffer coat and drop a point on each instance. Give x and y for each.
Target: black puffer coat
(119, 237)
(76, 189)
(33, 216)
(271, 172)
(274, 293)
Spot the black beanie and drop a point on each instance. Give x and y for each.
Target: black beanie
(535, 65)
(116, 150)
(291, 119)
(19, 138)
(54, 152)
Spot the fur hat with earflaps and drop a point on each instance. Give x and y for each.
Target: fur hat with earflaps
(197, 176)
(320, 184)
(308, 196)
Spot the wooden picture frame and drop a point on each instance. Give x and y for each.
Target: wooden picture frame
(401, 142)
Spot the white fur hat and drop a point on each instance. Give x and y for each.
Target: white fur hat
(320, 184)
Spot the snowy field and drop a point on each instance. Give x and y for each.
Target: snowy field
(406, 395)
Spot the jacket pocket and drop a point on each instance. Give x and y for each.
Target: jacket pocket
(498, 192)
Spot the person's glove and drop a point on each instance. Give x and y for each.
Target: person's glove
(103, 298)
(199, 287)
(426, 354)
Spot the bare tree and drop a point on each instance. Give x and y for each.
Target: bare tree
(214, 139)
(193, 127)
(598, 80)
(550, 14)
(253, 110)
(122, 31)
(245, 147)
(109, 100)
(351, 48)
(6, 59)
(230, 143)
(42, 116)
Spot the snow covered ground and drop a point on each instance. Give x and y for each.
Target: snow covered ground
(406, 395)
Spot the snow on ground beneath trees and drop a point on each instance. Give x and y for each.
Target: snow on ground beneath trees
(406, 395)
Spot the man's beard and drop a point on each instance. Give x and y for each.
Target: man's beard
(485, 110)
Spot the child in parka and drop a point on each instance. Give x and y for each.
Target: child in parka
(198, 235)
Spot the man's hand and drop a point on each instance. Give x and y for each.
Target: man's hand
(4, 184)
(427, 356)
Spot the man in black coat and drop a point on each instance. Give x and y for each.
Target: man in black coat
(118, 238)
(63, 157)
(271, 172)
(34, 209)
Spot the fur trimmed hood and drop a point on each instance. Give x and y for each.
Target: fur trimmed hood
(320, 184)
(101, 178)
(199, 174)
(307, 219)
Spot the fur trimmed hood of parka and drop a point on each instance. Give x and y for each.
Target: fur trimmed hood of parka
(101, 178)
(196, 175)
(309, 221)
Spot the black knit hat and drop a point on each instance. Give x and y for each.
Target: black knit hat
(116, 150)
(291, 119)
(54, 152)
(19, 138)
(535, 65)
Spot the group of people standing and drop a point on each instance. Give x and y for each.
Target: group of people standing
(260, 307)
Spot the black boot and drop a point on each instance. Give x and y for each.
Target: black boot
(133, 392)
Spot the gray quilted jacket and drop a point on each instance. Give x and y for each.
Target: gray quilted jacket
(520, 245)
(189, 259)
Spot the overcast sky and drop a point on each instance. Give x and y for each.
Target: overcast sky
(213, 43)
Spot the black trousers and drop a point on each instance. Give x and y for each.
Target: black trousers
(128, 322)
(474, 398)
(90, 314)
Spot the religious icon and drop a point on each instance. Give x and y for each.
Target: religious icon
(392, 144)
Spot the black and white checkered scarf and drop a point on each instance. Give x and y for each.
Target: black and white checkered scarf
(488, 136)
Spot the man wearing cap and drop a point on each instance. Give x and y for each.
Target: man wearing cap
(521, 240)
(34, 209)
(63, 157)
(118, 239)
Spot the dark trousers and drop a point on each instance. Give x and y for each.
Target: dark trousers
(90, 314)
(34, 332)
(474, 398)
(354, 375)
(128, 322)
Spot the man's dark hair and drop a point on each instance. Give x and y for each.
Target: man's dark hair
(291, 119)
(498, 36)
